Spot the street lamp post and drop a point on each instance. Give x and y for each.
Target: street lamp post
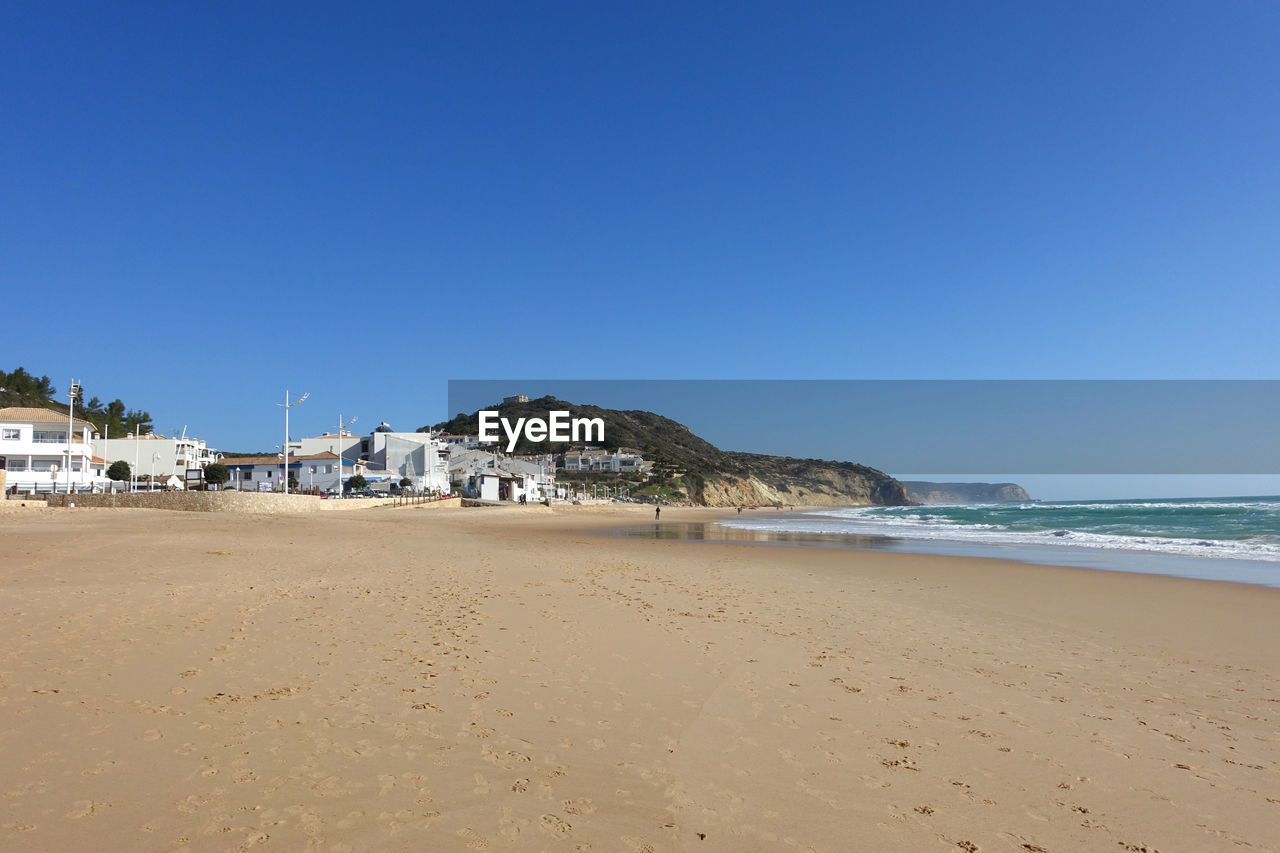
(151, 482)
(286, 405)
(338, 449)
(133, 472)
(73, 394)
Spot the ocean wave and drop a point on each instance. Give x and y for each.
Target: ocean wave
(1237, 544)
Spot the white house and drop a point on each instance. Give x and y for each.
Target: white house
(419, 456)
(415, 455)
(158, 454)
(40, 454)
(465, 442)
(485, 475)
(594, 459)
(320, 472)
(344, 444)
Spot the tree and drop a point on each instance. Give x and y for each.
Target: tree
(216, 475)
(357, 482)
(405, 482)
(113, 419)
(119, 471)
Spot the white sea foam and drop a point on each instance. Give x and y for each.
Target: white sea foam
(868, 521)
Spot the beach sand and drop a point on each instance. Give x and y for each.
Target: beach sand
(503, 679)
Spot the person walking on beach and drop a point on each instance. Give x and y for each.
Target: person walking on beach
(657, 513)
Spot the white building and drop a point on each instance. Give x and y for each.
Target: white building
(37, 457)
(321, 472)
(485, 475)
(158, 454)
(343, 444)
(465, 442)
(616, 461)
(419, 456)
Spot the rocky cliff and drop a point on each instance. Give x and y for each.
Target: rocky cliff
(922, 492)
(814, 482)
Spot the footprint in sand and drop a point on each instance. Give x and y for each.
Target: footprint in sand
(578, 807)
(555, 825)
(473, 839)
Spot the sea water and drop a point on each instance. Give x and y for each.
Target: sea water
(1213, 538)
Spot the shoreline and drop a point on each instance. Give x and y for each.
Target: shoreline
(1218, 569)
(1189, 554)
(504, 678)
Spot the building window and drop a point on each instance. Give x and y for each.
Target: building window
(328, 469)
(11, 434)
(42, 464)
(16, 465)
(48, 437)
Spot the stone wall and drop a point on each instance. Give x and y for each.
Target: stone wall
(263, 503)
(15, 505)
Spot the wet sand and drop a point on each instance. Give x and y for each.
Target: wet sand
(501, 679)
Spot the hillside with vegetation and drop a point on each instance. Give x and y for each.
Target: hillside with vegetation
(21, 388)
(689, 467)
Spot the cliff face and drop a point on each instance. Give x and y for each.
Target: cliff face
(784, 480)
(922, 492)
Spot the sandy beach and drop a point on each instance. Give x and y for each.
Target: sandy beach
(509, 679)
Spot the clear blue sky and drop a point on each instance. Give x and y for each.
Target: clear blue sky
(204, 204)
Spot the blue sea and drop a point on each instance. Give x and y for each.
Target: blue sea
(1212, 538)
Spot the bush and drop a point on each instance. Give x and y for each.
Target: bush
(119, 471)
(357, 482)
(216, 475)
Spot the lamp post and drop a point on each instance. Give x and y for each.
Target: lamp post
(286, 405)
(338, 449)
(73, 394)
(133, 472)
(151, 481)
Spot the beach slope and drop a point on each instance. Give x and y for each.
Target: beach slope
(508, 679)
